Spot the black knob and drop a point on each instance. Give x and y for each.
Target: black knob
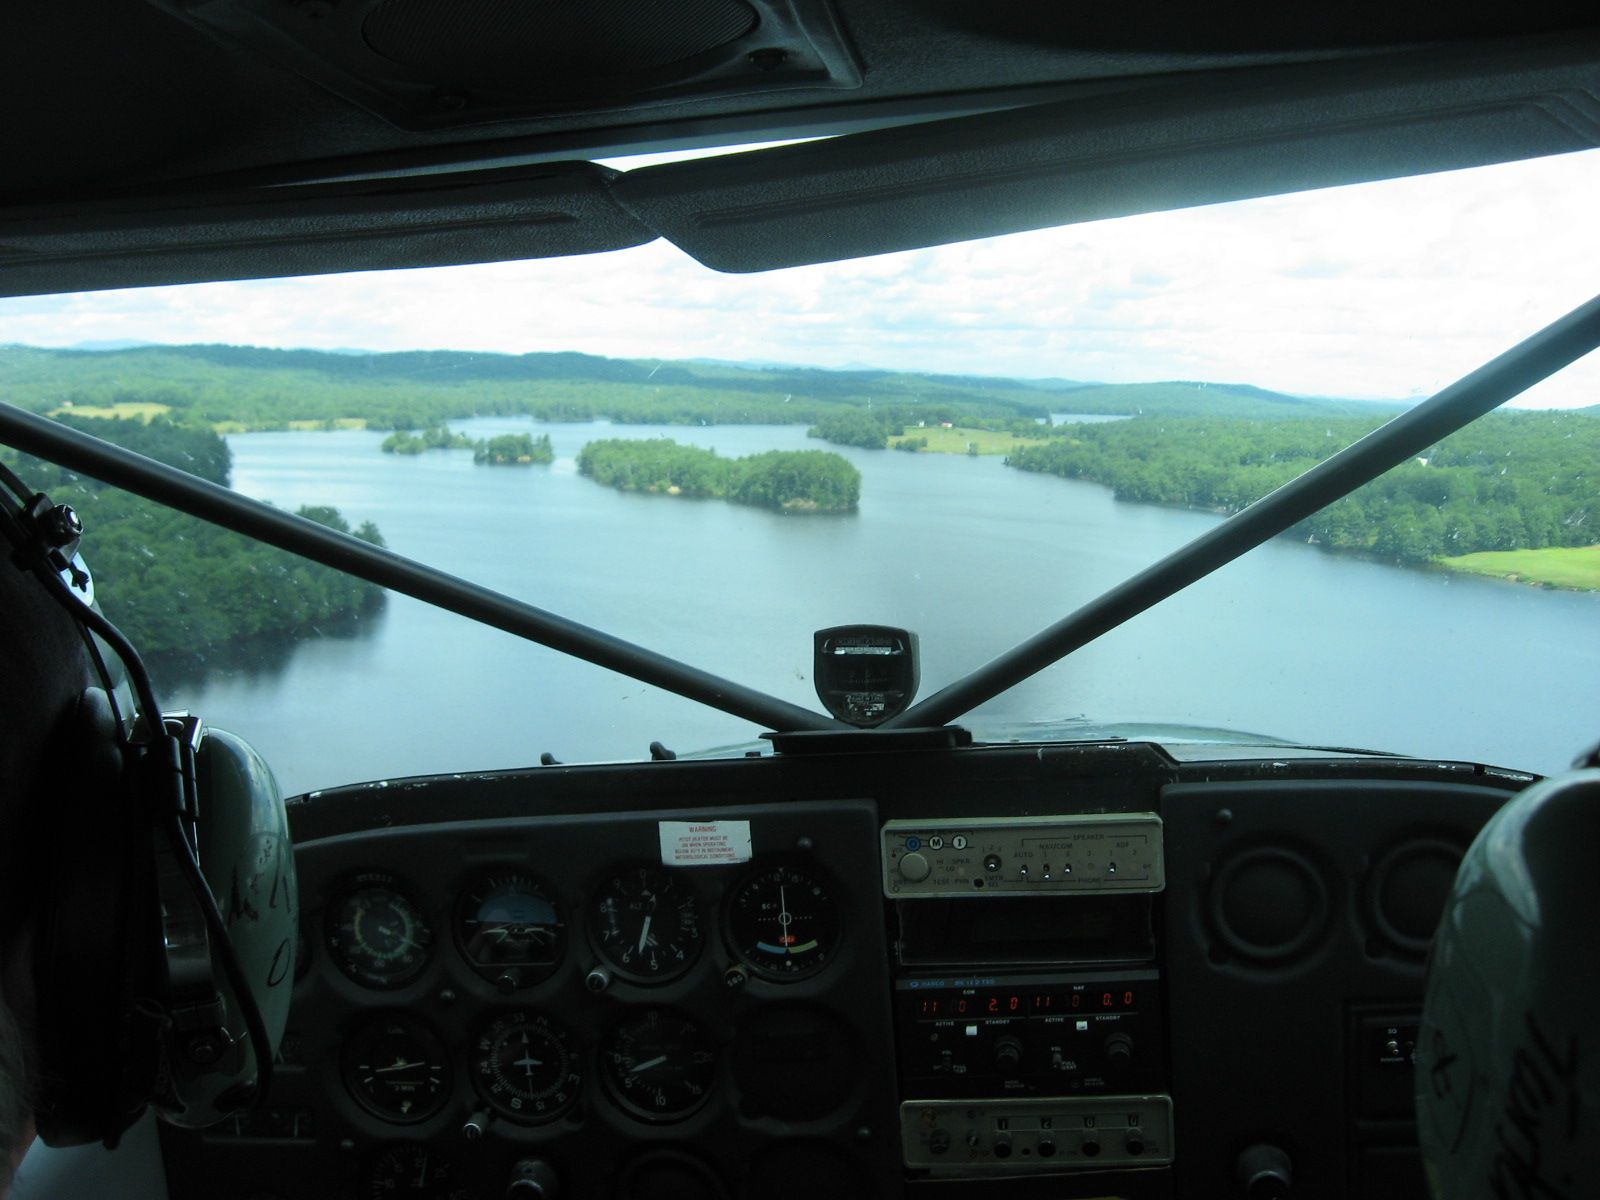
(1119, 1050)
(1047, 1148)
(533, 1179)
(1264, 1173)
(1007, 1053)
(1090, 1148)
(1134, 1145)
(1002, 1147)
(939, 1141)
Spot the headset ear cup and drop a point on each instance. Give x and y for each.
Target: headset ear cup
(247, 857)
(96, 939)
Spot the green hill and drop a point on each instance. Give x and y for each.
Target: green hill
(252, 387)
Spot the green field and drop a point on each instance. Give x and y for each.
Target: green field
(1556, 566)
(957, 440)
(127, 409)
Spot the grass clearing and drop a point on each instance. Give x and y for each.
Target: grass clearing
(128, 409)
(335, 423)
(956, 440)
(224, 428)
(1556, 566)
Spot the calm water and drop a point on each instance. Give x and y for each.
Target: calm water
(974, 556)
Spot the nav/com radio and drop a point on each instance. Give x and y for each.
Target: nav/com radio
(1027, 996)
(1105, 852)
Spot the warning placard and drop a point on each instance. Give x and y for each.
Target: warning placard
(704, 843)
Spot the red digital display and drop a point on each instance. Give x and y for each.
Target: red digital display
(1008, 1003)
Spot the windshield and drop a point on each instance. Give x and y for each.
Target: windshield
(968, 442)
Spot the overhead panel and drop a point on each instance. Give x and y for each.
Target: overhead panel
(1174, 143)
(431, 64)
(493, 216)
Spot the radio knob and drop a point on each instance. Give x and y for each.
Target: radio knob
(1007, 1053)
(1119, 1049)
(915, 867)
(1264, 1172)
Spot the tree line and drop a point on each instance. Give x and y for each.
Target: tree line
(1511, 480)
(245, 387)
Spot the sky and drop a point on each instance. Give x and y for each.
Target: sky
(1377, 291)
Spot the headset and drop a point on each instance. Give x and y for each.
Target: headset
(166, 926)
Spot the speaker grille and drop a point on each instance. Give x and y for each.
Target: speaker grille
(1408, 889)
(554, 45)
(1269, 903)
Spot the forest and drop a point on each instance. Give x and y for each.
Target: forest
(787, 480)
(1511, 480)
(184, 590)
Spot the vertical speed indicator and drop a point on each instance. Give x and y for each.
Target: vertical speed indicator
(783, 923)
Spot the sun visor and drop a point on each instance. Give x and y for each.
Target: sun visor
(1177, 143)
(547, 211)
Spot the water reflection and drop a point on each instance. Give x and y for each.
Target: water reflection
(262, 661)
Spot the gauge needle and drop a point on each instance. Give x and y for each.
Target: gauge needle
(784, 917)
(647, 1064)
(399, 1064)
(644, 934)
(422, 1172)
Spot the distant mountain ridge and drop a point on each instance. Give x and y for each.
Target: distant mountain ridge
(169, 373)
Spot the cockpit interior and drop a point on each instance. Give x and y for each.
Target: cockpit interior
(879, 961)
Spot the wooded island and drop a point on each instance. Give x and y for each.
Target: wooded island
(787, 480)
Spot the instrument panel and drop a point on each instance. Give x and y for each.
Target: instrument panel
(715, 980)
(487, 1002)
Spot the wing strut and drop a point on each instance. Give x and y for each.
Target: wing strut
(221, 506)
(1525, 364)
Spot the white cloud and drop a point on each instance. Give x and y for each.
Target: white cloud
(1380, 290)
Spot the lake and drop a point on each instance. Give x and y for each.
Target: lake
(1288, 641)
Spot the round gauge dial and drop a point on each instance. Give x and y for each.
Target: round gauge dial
(646, 924)
(509, 930)
(525, 1066)
(397, 1068)
(413, 1172)
(376, 936)
(783, 923)
(659, 1066)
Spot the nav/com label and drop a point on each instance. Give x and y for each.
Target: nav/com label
(1009, 856)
